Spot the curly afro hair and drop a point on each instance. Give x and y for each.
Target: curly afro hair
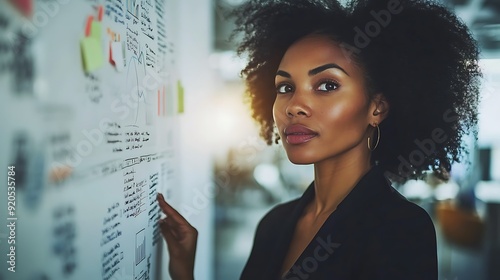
(418, 54)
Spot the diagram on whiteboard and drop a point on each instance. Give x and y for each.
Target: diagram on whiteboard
(94, 93)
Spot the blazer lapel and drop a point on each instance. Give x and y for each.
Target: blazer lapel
(281, 247)
(338, 227)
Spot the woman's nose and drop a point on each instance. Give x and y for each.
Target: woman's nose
(297, 106)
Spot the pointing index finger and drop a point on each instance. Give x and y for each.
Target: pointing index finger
(169, 210)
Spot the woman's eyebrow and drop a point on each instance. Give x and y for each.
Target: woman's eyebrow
(324, 67)
(283, 73)
(314, 71)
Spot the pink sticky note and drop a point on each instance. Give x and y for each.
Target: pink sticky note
(24, 6)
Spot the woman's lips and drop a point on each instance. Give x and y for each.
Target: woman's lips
(299, 134)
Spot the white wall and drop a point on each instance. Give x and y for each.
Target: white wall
(194, 35)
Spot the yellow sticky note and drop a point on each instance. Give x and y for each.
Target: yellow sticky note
(92, 56)
(180, 98)
(96, 30)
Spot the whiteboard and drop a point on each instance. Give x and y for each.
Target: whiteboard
(89, 102)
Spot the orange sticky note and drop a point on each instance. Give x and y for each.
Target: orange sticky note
(59, 174)
(100, 13)
(92, 56)
(88, 26)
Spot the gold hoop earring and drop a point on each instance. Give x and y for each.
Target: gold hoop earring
(378, 139)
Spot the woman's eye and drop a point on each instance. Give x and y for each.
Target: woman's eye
(284, 88)
(327, 86)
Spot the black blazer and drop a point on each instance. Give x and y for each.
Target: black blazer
(375, 233)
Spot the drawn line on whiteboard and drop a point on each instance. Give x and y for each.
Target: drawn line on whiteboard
(134, 60)
(133, 8)
(139, 93)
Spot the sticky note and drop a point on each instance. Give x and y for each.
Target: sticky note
(111, 55)
(92, 56)
(96, 30)
(88, 26)
(100, 12)
(117, 56)
(180, 97)
(24, 6)
(60, 173)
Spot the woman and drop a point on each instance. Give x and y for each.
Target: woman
(372, 90)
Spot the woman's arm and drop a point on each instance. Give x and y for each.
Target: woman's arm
(181, 240)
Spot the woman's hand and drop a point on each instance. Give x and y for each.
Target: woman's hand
(181, 240)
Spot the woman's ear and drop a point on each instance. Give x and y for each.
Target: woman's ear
(380, 108)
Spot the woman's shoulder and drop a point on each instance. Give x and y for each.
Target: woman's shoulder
(381, 205)
(398, 240)
(398, 214)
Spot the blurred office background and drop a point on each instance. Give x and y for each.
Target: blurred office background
(251, 177)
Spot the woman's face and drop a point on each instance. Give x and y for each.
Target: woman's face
(322, 109)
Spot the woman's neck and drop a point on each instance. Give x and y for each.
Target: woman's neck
(334, 179)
